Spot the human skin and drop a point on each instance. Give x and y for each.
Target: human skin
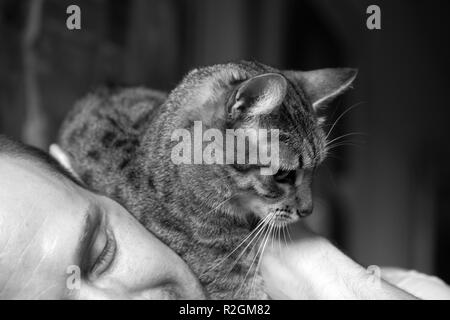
(306, 266)
(49, 227)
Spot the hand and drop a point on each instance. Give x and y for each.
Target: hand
(284, 265)
(307, 266)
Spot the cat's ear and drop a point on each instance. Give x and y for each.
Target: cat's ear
(323, 85)
(259, 95)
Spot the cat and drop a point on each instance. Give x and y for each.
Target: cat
(119, 143)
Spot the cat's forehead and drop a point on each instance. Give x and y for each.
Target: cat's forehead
(255, 67)
(299, 137)
(232, 71)
(298, 127)
(310, 149)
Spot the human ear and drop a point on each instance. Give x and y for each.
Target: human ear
(59, 155)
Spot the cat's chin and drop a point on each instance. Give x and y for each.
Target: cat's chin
(256, 210)
(278, 217)
(281, 218)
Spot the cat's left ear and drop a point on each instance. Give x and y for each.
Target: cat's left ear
(323, 85)
(259, 95)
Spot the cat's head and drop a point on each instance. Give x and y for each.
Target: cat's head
(249, 95)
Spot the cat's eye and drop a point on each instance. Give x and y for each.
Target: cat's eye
(101, 251)
(285, 176)
(245, 167)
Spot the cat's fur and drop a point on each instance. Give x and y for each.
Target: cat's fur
(120, 143)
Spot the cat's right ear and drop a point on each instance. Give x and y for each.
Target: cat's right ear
(259, 95)
(59, 155)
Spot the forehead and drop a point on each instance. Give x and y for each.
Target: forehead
(40, 218)
(29, 183)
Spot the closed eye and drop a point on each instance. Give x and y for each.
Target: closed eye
(102, 253)
(285, 176)
(101, 248)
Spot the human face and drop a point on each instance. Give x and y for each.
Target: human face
(60, 241)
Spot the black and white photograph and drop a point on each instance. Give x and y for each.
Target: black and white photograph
(241, 151)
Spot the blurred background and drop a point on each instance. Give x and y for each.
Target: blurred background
(384, 198)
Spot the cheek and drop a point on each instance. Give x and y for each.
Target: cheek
(143, 261)
(244, 182)
(269, 189)
(261, 186)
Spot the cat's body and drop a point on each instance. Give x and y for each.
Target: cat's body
(103, 137)
(120, 144)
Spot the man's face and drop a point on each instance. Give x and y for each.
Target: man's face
(59, 241)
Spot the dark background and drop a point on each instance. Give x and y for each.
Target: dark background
(384, 201)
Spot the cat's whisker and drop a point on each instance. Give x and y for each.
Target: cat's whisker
(248, 245)
(289, 234)
(361, 142)
(220, 204)
(264, 236)
(340, 117)
(258, 227)
(269, 235)
(345, 143)
(332, 115)
(260, 224)
(345, 135)
(264, 223)
(273, 235)
(235, 262)
(284, 236)
(279, 237)
(253, 261)
(257, 255)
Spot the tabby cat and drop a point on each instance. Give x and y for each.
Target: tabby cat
(119, 143)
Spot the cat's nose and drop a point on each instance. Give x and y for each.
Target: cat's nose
(304, 200)
(304, 213)
(305, 210)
